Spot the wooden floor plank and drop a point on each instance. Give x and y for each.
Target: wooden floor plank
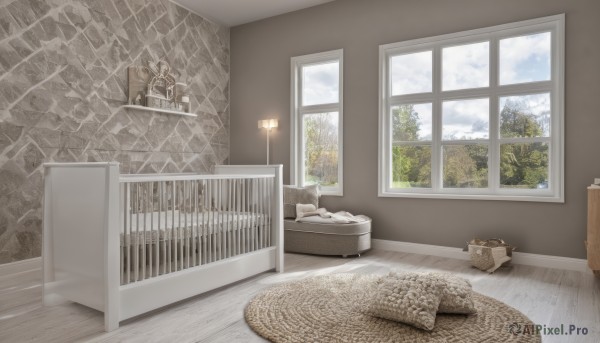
(547, 296)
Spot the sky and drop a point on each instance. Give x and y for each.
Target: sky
(522, 59)
(320, 84)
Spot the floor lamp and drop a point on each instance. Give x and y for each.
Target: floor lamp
(267, 124)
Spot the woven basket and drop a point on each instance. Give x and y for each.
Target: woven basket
(489, 254)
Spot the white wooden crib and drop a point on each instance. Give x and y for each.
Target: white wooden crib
(129, 244)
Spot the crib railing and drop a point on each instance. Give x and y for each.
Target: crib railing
(173, 222)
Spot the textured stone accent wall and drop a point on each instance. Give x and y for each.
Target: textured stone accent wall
(63, 80)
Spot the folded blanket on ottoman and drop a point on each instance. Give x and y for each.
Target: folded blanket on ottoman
(308, 213)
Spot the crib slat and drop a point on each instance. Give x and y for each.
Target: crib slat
(238, 228)
(218, 212)
(270, 209)
(180, 233)
(261, 200)
(229, 233)
(258, 212)
(223, 219)
(145, 202)
(161, 230)
(137, 232)
(243, 218)
(194, 219)
(249, 215)
(180, 228)
(264, 202)
(199, 213)
(123, 188)
(225, 226)
(220, 220)
(150, 213)
(261, 204)
(205, 220)
(127, 235)
(253, 226)
(188, 224)
(169, 226)
(203, 223)
(211, 218)
(248, 227)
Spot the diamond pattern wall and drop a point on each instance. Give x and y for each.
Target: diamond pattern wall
(63, 80)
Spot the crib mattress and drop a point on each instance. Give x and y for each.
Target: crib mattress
(148, 228)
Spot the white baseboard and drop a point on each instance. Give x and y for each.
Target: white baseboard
(545, 261)
(21, 266)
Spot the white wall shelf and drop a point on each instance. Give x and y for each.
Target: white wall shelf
(159, 110)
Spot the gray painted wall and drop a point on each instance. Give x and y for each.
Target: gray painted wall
(63, 79)
(260, 86)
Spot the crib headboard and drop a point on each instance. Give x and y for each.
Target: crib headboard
(88, 191)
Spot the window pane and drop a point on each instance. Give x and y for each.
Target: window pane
(321, 83)
(411, 73)
(321, 149)
(525, 116)
(466, 166)
(465, 119)
(411, 122)
(525, 58)
(524, 165)
(466, 66)
(411, 166)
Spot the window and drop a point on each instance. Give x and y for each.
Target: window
(317, 93)
(475, 114)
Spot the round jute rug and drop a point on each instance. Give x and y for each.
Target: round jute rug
(330, 309)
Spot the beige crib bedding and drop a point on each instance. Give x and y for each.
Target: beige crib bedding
(148, 228)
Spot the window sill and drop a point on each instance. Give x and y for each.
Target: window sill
(497, 197)
(332, 193)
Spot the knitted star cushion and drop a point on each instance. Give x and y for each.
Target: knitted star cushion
(410, 298)
(457, 294)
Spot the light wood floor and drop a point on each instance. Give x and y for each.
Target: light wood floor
(548, 296)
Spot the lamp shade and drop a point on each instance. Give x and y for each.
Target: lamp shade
(267, 124)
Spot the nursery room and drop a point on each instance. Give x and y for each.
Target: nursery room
(299, 171)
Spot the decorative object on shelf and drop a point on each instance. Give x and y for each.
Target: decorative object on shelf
(154, 86)
(267, 124)
(489, 254)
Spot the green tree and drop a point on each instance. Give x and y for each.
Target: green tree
(466, 166)
(522, 165)
(411, 165)
(321, 149)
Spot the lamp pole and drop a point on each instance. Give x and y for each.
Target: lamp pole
(268, 130)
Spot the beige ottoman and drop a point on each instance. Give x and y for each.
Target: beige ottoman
(320, 238)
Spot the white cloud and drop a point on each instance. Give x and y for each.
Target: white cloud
(411, 73)
(425, 121)
(466, 66)
(320, 84)
(465, 119)
(525, 58)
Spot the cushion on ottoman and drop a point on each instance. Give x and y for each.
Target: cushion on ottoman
(298, 195)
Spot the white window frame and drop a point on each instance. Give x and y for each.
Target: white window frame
(298, 111)
(555, 192)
